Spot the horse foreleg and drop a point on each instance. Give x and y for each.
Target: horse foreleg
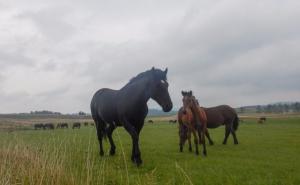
(196, 141)
(136, 154)
(181, 142)
(189, 140)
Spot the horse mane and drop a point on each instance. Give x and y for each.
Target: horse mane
(140, 76)
(157, 73)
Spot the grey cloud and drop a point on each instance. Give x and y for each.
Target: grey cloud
(14, 58)
(237, 52)
(51, 22)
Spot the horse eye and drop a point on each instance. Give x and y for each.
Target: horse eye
(164, 82)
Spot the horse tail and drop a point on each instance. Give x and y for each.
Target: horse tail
(100, 124)
(102, 128)
(236, 122)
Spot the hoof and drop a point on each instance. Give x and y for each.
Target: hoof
(236, 142)
(205, 154)
(138, 162)
(101, 153)
(197, 153)
(211, 143)
(224, 143)
(112, 152)
(190, 149)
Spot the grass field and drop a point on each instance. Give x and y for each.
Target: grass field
(267, 154)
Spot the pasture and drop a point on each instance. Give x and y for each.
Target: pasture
(267, 154)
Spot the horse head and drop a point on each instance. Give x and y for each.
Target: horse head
(159, 89)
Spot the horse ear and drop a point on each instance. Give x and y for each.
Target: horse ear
(191, 93)
(183, 93)
(166, 70)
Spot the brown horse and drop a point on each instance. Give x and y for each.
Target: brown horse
(217, 116)
(192, 118)
(261, 120)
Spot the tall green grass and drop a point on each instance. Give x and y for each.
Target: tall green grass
(267, 154)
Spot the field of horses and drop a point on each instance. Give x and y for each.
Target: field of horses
(267, 154)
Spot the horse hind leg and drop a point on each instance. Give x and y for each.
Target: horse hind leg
(227, 132)
(234, 137)
(208, 137)
(110, 130)
(203, 143)
(233, 129)
(100, 127)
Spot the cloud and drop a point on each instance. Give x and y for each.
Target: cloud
(227, 52)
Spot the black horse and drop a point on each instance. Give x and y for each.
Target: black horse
(49, 126)
(76, 125)
(62, 125)
(128, 107)
(38, 126)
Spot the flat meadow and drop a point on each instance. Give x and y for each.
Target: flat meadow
(267, 154)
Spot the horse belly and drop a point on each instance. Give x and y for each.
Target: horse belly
(214, 120)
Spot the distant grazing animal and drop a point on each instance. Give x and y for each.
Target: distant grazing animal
(150, 121)
(86, 124)
(172, 121)
(92, 124)
(76, 125)
(193, 117)
(38, 126)
(262, 120)
(128, 107)
(62, 125)
(49, 126)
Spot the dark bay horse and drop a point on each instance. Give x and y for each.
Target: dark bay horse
(76, 125)
(223, 115)
(192, 117)
(127, 107)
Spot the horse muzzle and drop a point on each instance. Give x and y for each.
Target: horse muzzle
(168, 107)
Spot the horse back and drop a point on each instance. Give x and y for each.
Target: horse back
(219, 115)
(103, 105)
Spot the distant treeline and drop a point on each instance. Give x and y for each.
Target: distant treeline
(45, 112)
(271, 108)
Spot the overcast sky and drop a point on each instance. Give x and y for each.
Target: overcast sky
(55, 54)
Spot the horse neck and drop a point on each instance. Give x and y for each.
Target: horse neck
(139, 89)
